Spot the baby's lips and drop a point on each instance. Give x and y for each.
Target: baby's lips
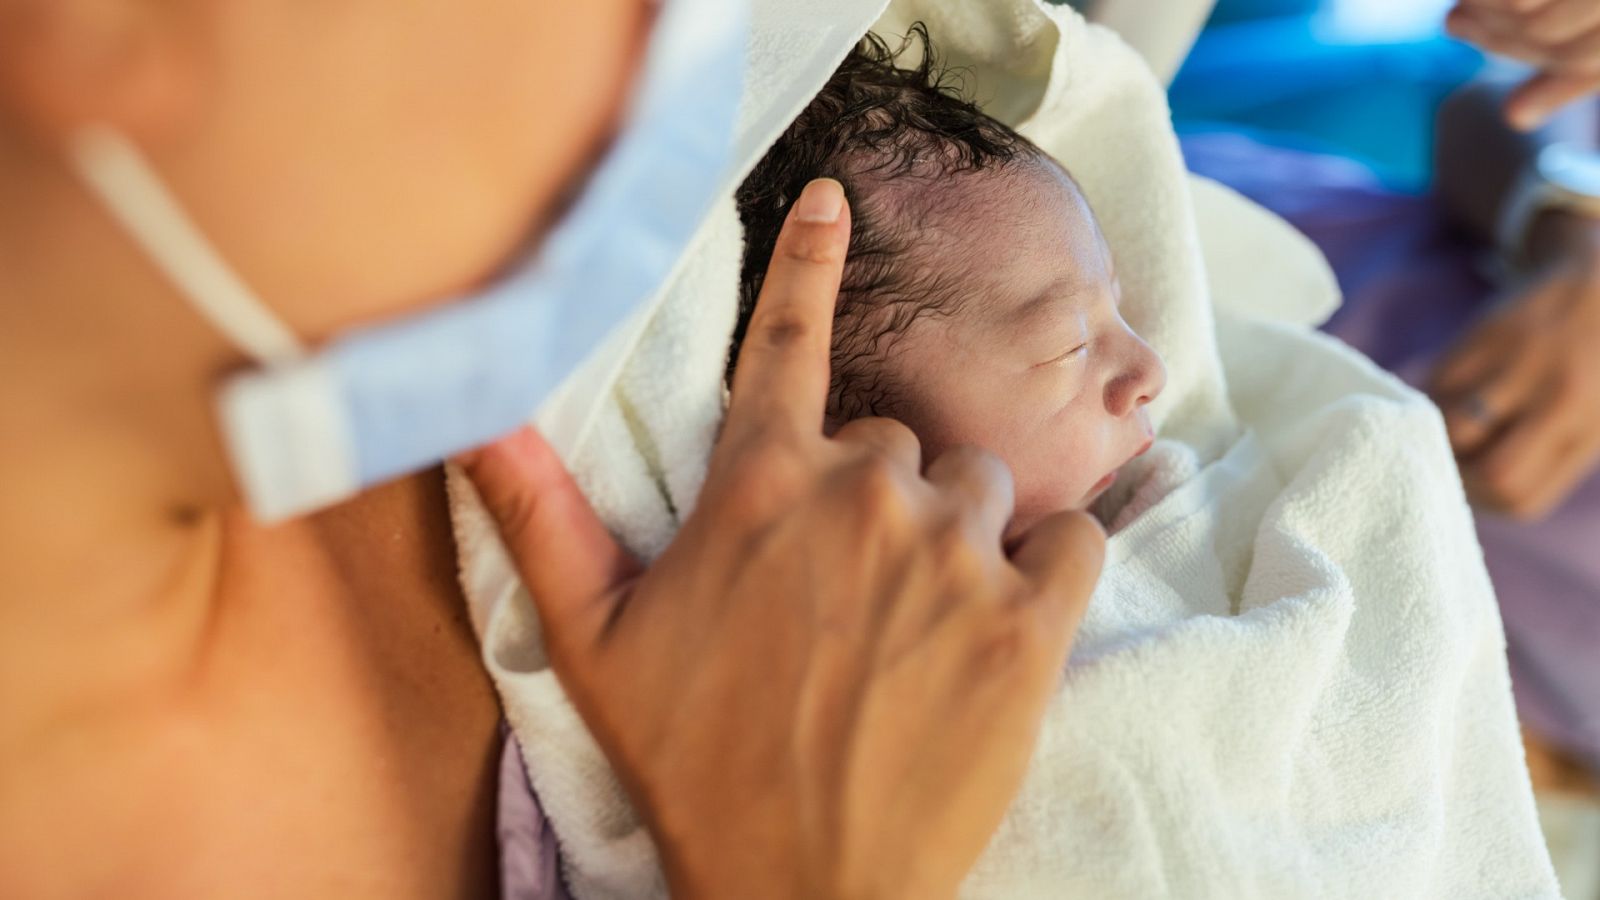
(1103, 485)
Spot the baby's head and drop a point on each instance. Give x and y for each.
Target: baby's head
(979, 303)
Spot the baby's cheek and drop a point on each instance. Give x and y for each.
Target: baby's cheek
(1052, 452)
(1059, 466)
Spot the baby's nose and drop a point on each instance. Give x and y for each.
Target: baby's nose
(1141, 380)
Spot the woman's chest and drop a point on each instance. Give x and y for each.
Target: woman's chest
(315, 779)
(335, 735)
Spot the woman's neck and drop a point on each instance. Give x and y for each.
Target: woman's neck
(142, 610)
(119, 513)
(110, 532)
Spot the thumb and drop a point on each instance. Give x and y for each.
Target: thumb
(571, 564)
(1062, 557)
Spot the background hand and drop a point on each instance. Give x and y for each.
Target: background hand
(1521, 392)
(1561, 38)
(830, 683)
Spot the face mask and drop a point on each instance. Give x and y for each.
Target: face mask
(308, 429)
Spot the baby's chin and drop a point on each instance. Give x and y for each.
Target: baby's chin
(1033, 510)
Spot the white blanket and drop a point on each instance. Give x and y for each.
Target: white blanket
(1291, 680)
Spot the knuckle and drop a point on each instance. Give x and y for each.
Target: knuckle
(812, 245)
(878, 434)
(750, 505)
(784, 330)
(1070, 532)
(980, 473)
(1011, 646)
(875, 486)
(874, 475)
(507, 497)
(514, 511)
(765, 476)
(955, 553)
(869, 450)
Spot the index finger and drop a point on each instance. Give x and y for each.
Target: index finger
(1537, 99)
(1515, 7)
(782, 374)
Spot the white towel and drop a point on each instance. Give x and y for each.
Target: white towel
(1291, 680)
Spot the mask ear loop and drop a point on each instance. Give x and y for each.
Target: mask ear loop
(115, 172)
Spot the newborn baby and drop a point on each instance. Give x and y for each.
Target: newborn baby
(979, 302)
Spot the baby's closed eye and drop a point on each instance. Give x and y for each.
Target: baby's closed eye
(1073, 355)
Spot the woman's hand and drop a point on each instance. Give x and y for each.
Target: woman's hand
(1521, 392)
(1561, 38)
(830, 683)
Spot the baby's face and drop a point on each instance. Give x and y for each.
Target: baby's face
(1036, 364)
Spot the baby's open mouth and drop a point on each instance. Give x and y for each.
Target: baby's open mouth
(1101, 486)
(1110, 478)
(1105, 481)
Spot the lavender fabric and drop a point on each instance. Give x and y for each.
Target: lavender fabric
(528, 856)
(1412, 284)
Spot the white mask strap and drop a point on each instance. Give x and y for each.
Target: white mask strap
(113, 169)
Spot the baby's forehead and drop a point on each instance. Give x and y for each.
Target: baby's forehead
(1002, 235)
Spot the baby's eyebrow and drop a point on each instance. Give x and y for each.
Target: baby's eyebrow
(1054, 293)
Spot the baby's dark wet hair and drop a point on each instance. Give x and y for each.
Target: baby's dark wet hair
(890, 135)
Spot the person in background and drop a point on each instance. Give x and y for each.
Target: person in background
(1559, 39)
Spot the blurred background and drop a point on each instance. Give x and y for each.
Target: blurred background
(1357, 78)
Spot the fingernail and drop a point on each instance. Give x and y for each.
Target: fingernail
(821, 202)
